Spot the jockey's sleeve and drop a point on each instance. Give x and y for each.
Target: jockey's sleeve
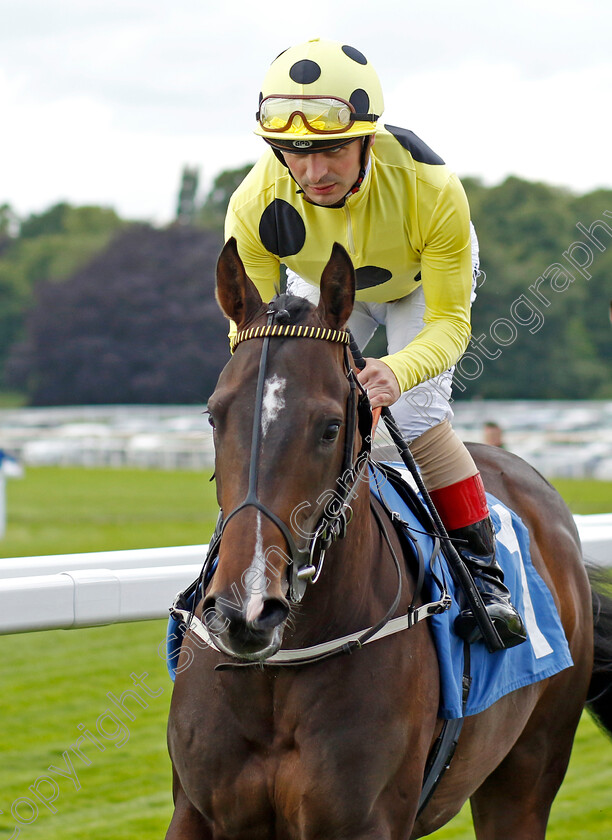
(263, 268)
(447, 275)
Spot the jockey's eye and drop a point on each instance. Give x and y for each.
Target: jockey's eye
(331, 432)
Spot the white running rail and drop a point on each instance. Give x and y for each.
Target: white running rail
(106, 587)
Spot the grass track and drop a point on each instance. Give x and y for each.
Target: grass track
(52, 682)
(56, 510)
(60, 680)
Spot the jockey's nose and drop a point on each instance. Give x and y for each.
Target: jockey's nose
(316, 168)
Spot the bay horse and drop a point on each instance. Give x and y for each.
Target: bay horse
(337, 747)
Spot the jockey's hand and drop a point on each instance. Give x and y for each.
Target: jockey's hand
(379, 381)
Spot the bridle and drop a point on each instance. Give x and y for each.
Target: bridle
(305, 563)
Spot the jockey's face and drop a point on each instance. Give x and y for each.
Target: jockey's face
(327, 176)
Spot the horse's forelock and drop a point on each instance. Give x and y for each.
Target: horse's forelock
(296, 308)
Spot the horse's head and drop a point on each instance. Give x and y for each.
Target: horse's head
(284, 414)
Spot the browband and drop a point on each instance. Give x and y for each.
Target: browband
(290, 331)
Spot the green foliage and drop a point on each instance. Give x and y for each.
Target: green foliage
(541, 322)
(543, 318)
(212, 214)
(50, 247)
(138, 324)
(8, 222)
(11, 399)
(64, 218)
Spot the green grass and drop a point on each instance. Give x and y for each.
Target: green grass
(585, 496)
(55, 681)
(56, 510)
(12, 399)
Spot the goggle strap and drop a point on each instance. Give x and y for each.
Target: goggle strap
(354, 117)
(365, 117)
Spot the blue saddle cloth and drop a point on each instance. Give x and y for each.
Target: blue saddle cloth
(545, 652)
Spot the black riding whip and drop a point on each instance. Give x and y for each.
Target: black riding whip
(458, 568)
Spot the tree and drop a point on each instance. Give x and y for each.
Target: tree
(185, 209)
(9, 223)
(64, 218)
(212, 214)
(545, 348)
(547, 334)
(49, 247)
(138, 324)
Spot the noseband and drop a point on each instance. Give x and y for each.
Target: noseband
(305, 563)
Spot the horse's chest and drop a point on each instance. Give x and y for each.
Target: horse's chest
(288, 787)
(301, 748)
(288, 768)
(241, 782)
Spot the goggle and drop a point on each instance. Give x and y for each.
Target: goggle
(305, 114)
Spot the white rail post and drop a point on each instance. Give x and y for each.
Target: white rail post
(2, 503)
(9, 468)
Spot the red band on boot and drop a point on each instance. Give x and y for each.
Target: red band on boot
(462, 503)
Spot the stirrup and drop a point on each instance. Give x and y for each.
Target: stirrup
(505, 619)
(479, 557)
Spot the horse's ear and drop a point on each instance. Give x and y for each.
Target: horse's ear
(337, 289)
(236, 293)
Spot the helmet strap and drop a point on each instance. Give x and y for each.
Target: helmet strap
(279, 155)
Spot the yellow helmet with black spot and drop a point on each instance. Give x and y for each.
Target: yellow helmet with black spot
(321, 93)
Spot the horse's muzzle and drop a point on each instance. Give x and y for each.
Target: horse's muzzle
(246, 633)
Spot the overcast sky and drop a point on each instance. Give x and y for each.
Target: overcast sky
(104, 101)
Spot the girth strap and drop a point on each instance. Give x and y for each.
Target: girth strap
(443, 750)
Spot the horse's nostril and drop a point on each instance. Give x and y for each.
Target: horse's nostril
(220, 616)
(273, 613)
(214, 619)
(208, 606)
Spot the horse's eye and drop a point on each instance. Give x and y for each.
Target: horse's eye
(211, 419)
(331, 432)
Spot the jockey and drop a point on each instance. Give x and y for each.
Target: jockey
(332, 174)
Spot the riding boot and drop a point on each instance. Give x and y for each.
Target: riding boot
(465, 514)
(476, 545)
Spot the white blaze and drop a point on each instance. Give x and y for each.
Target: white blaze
(273, 401)
(255, 578)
